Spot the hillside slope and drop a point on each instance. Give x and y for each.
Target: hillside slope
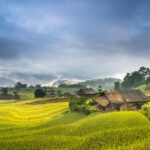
(49, 126)
(106, 83)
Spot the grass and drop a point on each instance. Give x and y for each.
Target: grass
(146, 110)
(144, 89)
(71, 90)
(51, 126)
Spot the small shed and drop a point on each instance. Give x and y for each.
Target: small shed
(87, 92)
(68, 94)
(50, 92)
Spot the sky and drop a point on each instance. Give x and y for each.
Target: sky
(80, 38)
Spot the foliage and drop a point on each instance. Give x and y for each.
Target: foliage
(17, 96)
(4, 91)
(134, 79)
(39, 93)
(38, 86)
(71, 86)
(26, 94)
(117, 85)
(81, 104)
(59, 92)
(48, 126)
(100, 89)
(20, 86)
(146, 110)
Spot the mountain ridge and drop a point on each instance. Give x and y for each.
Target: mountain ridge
(52, 80)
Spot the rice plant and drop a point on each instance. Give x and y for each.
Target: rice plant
(25, 126)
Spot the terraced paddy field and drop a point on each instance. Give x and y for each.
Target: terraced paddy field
(48, 126)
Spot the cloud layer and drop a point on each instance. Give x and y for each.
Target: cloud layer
(92, 38)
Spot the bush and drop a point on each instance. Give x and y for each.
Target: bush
(87, 109)
(81, 105)
(39, 93)
(4, 91)
(146, 110)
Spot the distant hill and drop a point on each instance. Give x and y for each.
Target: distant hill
(30, 79)
(53, 80)
(106, 83)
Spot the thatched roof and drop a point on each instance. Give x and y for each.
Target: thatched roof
(121, 97)
(133, 96)
(68, 94)
(50, 90)
(115, 97)
(87, 91)
(102, 100)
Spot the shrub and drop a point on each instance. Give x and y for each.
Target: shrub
(4, 91)
(146, 110)
(81, 105)
(39, 93)
(87, 109)
(73, 105)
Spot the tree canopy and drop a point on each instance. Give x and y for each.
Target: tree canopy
(134, 79)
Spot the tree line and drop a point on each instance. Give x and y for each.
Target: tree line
(134, 79)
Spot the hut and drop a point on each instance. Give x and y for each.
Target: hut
(50, 92)
(67, 94)
(134, 98)
(87, 92)
(119, 100)
(110, 101)
(102, 102)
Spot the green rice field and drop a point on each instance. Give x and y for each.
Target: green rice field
(50, 126)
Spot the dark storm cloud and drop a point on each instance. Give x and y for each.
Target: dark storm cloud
(65, 35)
(10, 49)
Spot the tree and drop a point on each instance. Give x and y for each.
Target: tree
(4, 91)
(81, 104)
(59, 92)
(39, 93)
(148, 81)
(16, 95)
(145, 72)
(100, 90)
(19, 86)
(117, 85)
(133, 79)
(38, 86)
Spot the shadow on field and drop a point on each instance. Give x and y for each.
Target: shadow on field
(58, 100)
(8, 101)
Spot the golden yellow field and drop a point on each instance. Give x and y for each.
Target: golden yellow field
(24, 126)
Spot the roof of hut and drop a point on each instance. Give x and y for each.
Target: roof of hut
(102, 100)
(119, 97)
(87, 91)
(115, 97)
(134, 95)
(50, 90)
(67, 94)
